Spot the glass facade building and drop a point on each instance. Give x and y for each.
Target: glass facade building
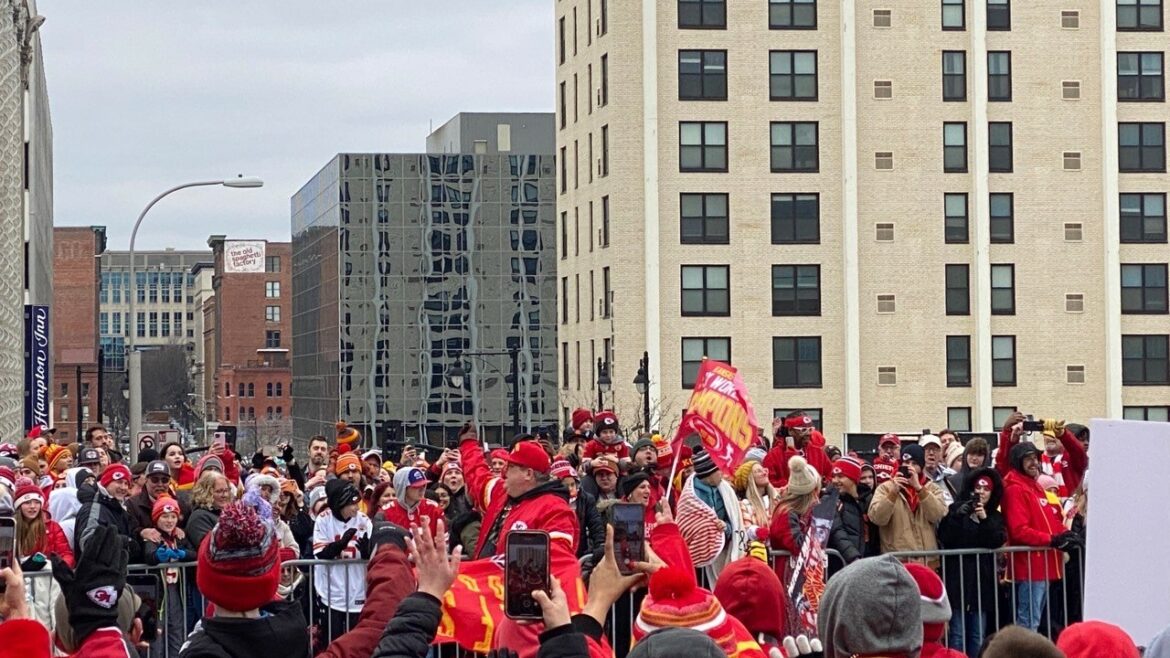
(403, 266)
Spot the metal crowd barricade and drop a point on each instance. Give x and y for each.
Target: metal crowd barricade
(1062, 605)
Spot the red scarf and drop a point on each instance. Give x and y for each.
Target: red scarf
(911, 495)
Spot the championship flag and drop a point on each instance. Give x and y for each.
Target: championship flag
(720, 412)
(808, 569)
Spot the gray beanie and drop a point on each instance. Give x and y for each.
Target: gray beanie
(674, 642)
(1159, 647)
(870, 607)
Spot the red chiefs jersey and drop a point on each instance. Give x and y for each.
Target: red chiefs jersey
(596, 447)
(395, 513)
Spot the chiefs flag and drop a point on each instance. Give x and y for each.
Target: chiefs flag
(721, 413)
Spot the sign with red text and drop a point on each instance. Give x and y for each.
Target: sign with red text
(243, 256)
(721, 413)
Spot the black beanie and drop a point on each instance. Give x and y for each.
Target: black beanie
(914, 453)
(631, 482)
(340, 493)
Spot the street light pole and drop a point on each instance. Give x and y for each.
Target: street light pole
(135, 358)
(642, 381)
(456, 376)
(603, 383)
(514, 353)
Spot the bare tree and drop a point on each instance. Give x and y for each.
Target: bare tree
(166, 384)
(628, 407)
(114, 405)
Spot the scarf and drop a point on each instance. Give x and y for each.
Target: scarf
(1054, 466)
(911, 495)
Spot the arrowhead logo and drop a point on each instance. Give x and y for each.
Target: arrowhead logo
(106, 597)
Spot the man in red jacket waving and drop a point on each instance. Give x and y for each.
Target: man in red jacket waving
(799, 440)
(523, 497)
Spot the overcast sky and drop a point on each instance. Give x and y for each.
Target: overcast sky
(145, 95)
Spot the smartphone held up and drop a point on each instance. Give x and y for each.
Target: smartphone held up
(526, 571)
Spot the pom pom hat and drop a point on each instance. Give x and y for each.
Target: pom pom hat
(239, 561)
(802, 478)
(346, 435)
(115, 472)
(676, 601)
(164, 505)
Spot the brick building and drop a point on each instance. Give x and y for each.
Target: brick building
(250, 315)
(76, 285)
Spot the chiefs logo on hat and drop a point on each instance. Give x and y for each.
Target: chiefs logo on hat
(106, 596)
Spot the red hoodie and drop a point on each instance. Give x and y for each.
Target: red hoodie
(1074, 454)
(776, 461)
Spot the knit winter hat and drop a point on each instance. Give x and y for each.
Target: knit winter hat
(642, 444)
(207, 462)
(675, 600)
(164, 505)
(1047, 482)
(339, 494)
(239, 560)
(562, 469)
(347, 435)
(932, 596)
(1096, 639)
(703, 464)
(7, 476)
(606, 420)
(742, 476)
(871, 607)
(802, 478)
(53, 454)
(347, 462)
(914, 453)
(849, 467)
(581, 416)
(26, 491)
(751, 592)
(674, 642)
(287, 554)
(32, 463)
(115, 472)
(629, 483)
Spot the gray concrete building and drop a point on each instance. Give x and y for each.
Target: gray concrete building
(404, 265)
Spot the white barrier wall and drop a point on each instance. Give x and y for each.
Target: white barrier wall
(1127, 570)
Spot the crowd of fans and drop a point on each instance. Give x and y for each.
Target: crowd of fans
(386, 540)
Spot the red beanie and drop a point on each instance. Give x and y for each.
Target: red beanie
(761, 611)
(287, 554)
(26, 491)
(848, 467)
(115, 472)
(581, 416)
(676, 601)
(164, 505)
(1093, 639)
(239, 560)
(932, 600)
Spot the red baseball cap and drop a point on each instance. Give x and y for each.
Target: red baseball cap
(529, 454)
(890, 438)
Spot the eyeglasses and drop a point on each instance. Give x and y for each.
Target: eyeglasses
(159, 479)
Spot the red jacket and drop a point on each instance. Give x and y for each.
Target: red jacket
(389, 579)
(597, 447)
(544, 508)
(28, 638)
(54, 542)
(776, 461)
(1031, 521)
(395, 513)
(1074, 453)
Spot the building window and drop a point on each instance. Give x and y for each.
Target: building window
(794, 146)
(279, 390)
(705, 290)
(1073, 232)
(604, 99)
(153, 325)
(271, 339)
(1140, 77)
(1003, 289)
(565, 365)
(955, 218)
(141, 322)
(564, 169)
(796, 290)
(793, 75)
(883, 17)
(702, 146)
(166, 325)
(887, 376)
(955, 147)
(604, 237)
(561, 40)
(564, 300)
(954, 75)
(999, 15)
(1142, 147)
(272, 289)
(1003, 360)
(1070, 19)
(241, 389)
(887, 304)
(564, 106)
(999, 75)
(792, 14)
(272, 313)
(607, 294)
(1139, 15)
(954, 15)
(959, 419)
(702, 14)
(1070, 90)
(883, 160)
(64, 412)
(884, 232)
(693, 351)
(272, 263)
(999, 137)
(958, 361)
(796, 218)
(1143, 289)
(1074, 302)
(603, 29)
(1072, 160)
(796, 362)
(564, 235)
(1157, 414)
(958, 290)
(1002, 211)
(1144, 360)
(883, 89)
(1000, 415)
(1074, 374)
(702, 75)
(269, 390)
(604, 152)
(252, 390)
(704, 219)
(1143, 218)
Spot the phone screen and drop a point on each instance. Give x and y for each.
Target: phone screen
(146, 587)
(629, 535)
(527, 570)
(7, 544)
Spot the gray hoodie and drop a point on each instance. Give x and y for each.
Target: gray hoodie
(674, 642)
(1159, 647)
(871, 606)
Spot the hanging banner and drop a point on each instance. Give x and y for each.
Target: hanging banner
(243, 256)
(721, 413)
(38, 370)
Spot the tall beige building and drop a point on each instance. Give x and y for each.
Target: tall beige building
(891, 214)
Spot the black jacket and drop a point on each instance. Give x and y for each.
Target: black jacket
(302, 529)
(592, 526)
(283, 632)
(203, 519)
(848, 534)
(99, 508)
(971, 579)
(412, 629)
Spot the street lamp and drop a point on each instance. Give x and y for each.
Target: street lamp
(135, 364)
(642, 381)
(604, 383)
(455, 375)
